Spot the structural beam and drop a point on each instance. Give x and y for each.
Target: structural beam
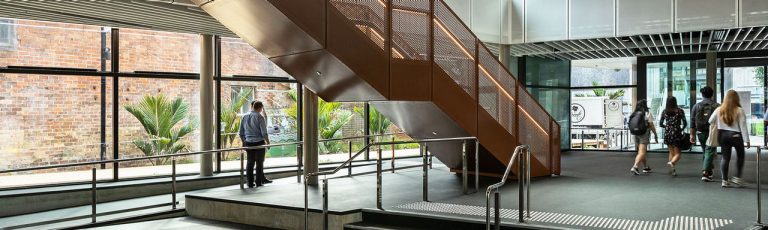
(206, 103)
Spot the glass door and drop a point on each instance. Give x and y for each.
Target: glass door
(657, 76)
(749, 82)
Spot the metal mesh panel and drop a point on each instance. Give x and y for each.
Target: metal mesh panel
(507, 114)
(373, 35)
(454, 48)
(532, 108)
(410, 29)
(535, 136)
(489, 95)
(489, 63)
(371, 14)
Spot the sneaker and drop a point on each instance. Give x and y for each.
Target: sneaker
(647, 170)
(736, 181)
(672, 169)
(634, 170)
(725, 184)
(706, 177)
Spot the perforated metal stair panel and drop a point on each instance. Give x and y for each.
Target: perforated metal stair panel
(579, 221)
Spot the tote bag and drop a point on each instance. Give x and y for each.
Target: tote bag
(714, 134)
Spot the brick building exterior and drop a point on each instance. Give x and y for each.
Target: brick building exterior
(48, 119)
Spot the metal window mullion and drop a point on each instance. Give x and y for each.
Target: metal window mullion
(115, 65)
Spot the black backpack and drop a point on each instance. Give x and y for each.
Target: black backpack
(638, 125)
(702, 115)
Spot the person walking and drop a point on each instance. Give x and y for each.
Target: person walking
(673, 121)
(641, 126)
(732, 133)
(253, 132)
(700, 115)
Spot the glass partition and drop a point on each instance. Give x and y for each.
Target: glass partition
(156, 51)
(748, 83)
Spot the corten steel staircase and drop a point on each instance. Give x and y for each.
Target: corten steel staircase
(414, 60)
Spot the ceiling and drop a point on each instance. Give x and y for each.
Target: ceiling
(165, 15)
(721, 40)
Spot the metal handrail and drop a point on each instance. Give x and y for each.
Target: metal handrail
(424, 152)
(759, 222)
(94, 213)
(358, 137)
(524, 189)
(149, 157)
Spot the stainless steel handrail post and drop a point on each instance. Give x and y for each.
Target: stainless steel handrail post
(242, 162)
(93, 195)
(425, 175)
(477, 165)
(494, 188)
(759, 198)
(299, 163)
(378, 181)
(349, 168)
(430, 157)
(521, 187)
(528, 183)
(325, 203)
(306, 203)
(173, 182)
(497, 209)
(392, 161)
(487, 210)
(582, 139)
(464, 167)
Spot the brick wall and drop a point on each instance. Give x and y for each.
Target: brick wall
(55, 119)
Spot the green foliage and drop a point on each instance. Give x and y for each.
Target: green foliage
(331, 118)
(602, 92)
(230, 120)
(161, 120)
(759, 75)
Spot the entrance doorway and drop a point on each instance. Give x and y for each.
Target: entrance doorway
(748, 78)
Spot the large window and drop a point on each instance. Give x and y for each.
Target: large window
(548, 80)
(49, 44)
(602, 98)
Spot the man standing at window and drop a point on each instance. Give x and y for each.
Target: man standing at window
(253, 132)
(700, 127)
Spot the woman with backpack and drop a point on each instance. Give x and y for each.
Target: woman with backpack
(732, 132)
(641, 126)
(673, 122)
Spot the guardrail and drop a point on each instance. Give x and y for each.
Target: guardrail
(425, 164)
(759, 222)
(524, 189)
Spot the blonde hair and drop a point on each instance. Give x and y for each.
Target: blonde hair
(729, 110)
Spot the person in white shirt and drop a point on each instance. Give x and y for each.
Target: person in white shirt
(733, 132)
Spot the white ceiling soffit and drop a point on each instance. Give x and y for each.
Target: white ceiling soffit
(163, 15)
(720, 40)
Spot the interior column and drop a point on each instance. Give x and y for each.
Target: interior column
(712, 71)
(206, 103)
(310, 134)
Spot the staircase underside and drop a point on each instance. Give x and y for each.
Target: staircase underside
(340, 50)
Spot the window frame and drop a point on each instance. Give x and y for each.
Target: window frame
(9, 25)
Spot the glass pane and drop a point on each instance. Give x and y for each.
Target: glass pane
(546, 20)
(644, 17)
(53, 120)
(240, 58)
(50, 44)
(552, 100)
(681, 86)
(280, 105)
(599, 118)
(156, 51)
(140, 137)
(754, 12)
(605, 72)
(547, 72)
(748, 83)
(657, 75)
(695, 15)
(591, 18)
(341, 120)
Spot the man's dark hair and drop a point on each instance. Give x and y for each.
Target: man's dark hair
(257, 105)
(707, 92)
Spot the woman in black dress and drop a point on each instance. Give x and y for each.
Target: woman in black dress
(673, 121)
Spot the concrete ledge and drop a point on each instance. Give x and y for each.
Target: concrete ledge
(265, 216)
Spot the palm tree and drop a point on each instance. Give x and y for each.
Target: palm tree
(330, 120)
(378, 123)
(161, 120)
(230, 120)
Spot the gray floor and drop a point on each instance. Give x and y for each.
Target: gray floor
(349, 194)
(599, 185)
(182, 223)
